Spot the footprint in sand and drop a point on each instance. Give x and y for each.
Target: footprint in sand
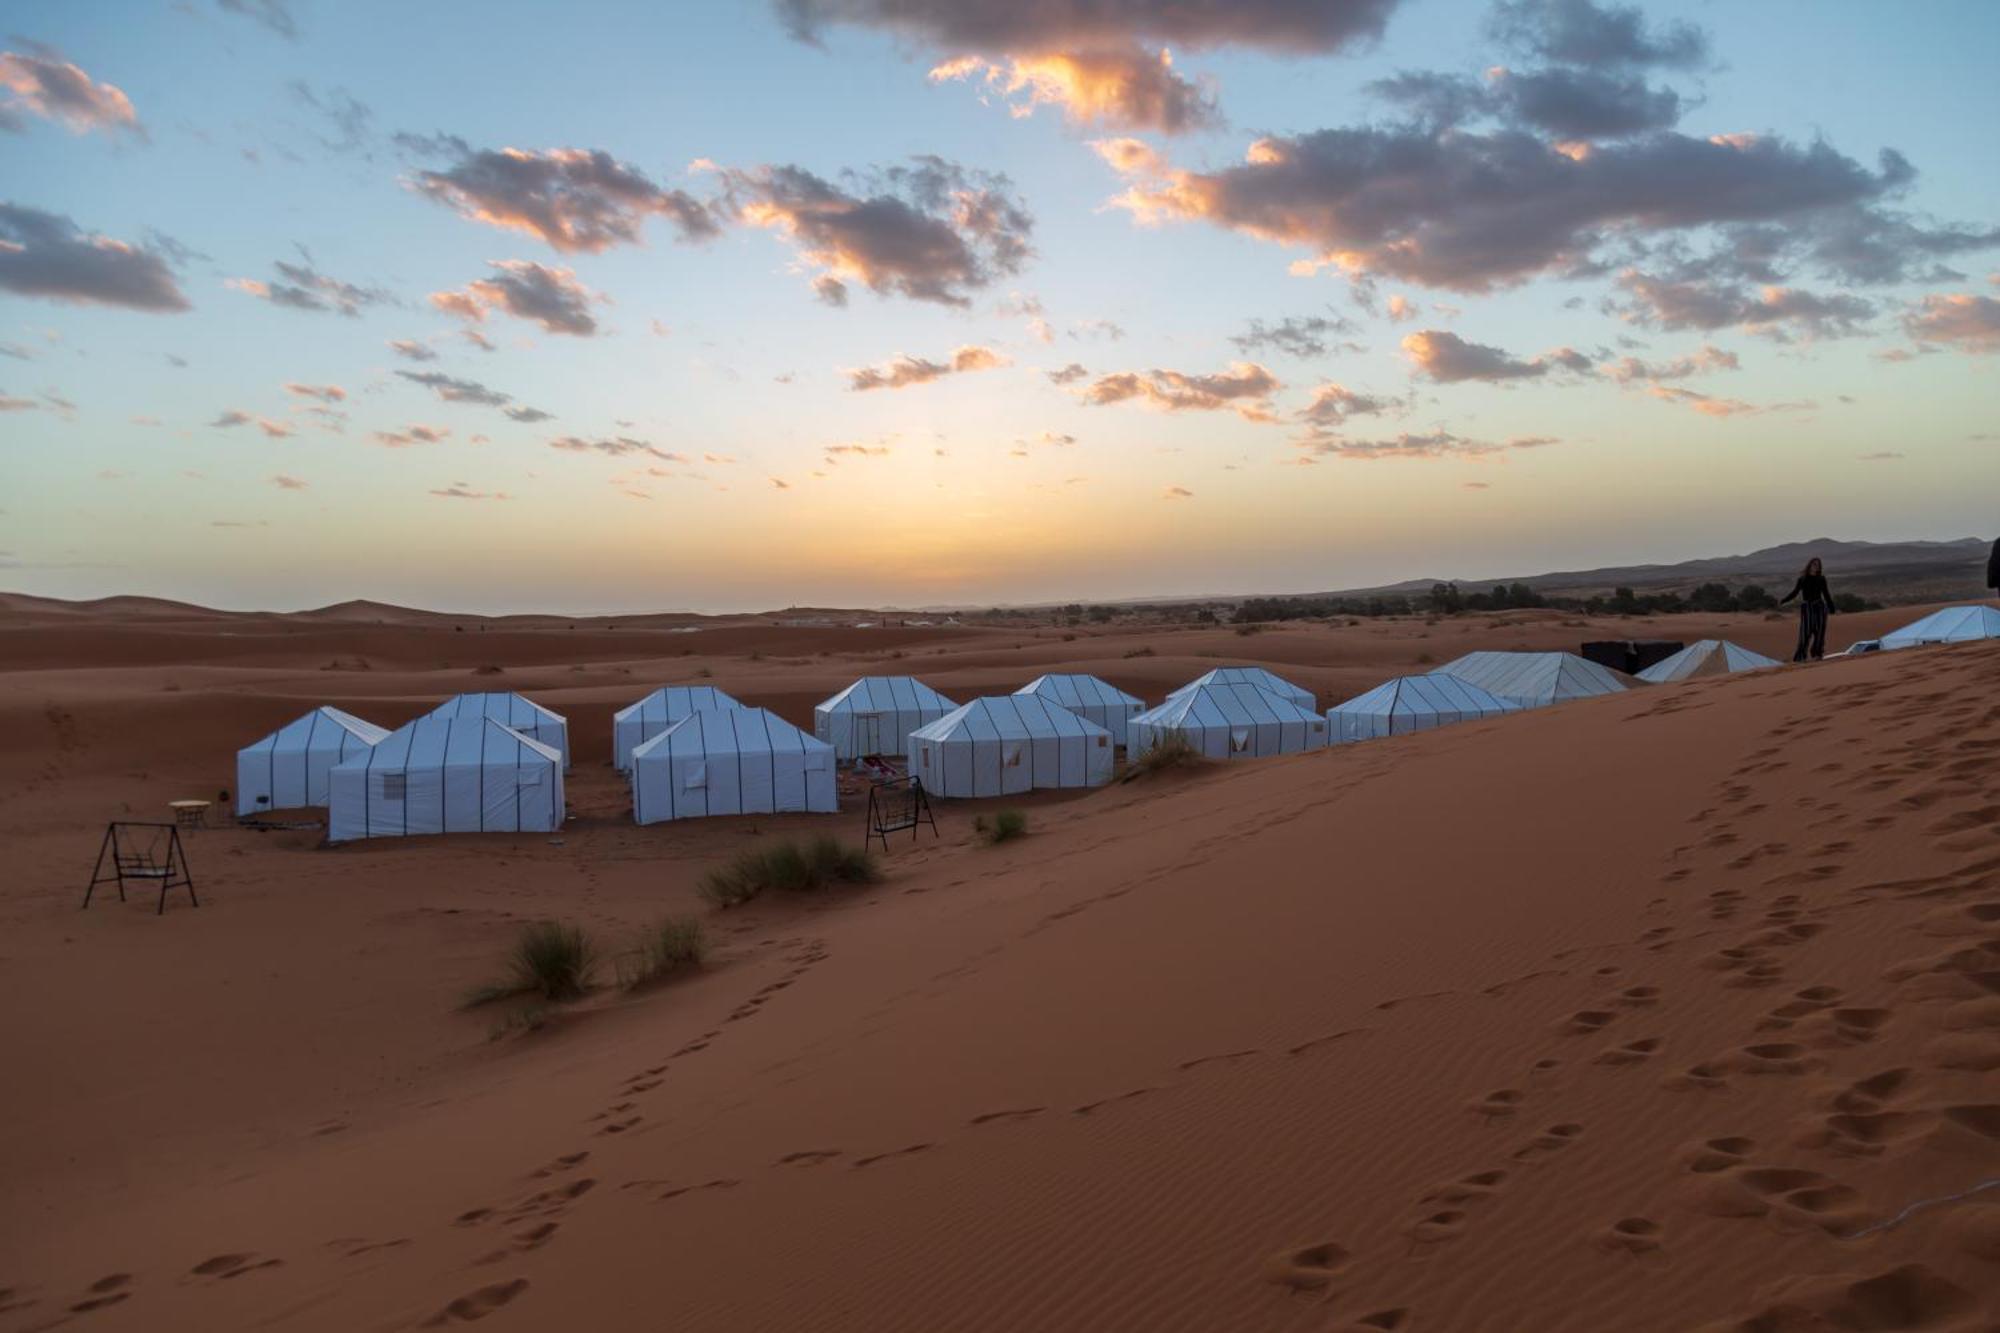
(478, 1304)
(1585, 1021)
(808, 1157)
(1445, 1224)
(1631, 1235)
(1379, 1321)
(1638, 997)
(1309, 1268)
(1089, 1108)
(1023, 1113)
(1720, 1154)
(1467, 1189)
(909, 1151)
(1498, 1103)
(106, 1291)
(1201, 1060)
(1772, 1057)
(1631, 1053)
(1553, 1139)
(232, 1265)
(1911, 1295)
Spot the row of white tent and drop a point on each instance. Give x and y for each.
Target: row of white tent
(495, 761)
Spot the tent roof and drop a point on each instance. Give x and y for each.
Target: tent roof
(675, 701)
(299, 731)
(503, 705)
(1705, 656)
(1224, 705)
(1426, 694)
(1075, 690)
(1257, 677)
(729, 730)
(1537, 676)
(1008, 717)
(887, 693)
(1954, 624)
(435, 739)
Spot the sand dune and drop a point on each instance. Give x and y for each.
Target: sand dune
(1672, 1010)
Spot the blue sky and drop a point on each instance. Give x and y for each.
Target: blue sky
(1692, 312)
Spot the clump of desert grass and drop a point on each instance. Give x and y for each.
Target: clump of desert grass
(790, 867)
(1005, 826)
(1170, 751)
(552, 962)
(677, 944)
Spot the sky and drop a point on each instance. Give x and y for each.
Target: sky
(733, 305)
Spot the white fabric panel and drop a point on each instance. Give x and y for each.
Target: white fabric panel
(447, 774)
(1256, 678)
(1705, 657)
(1412, 703)
(1231, 722)
(1954, 624)
(876, 714)
(637, 723)
(1090, 698)
(1006, 744)
(1535, 680)
(729, 761)
(510, 710)
(288, 769)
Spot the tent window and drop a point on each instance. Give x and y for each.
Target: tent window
(697, 777)
(1239, 740)
(395, 786)
(1103, 741)
(1011, 756)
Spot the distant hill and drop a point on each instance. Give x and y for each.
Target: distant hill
(1921, 571)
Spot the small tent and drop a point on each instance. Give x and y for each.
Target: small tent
(1253, 676)
(731, 760)
(1412, 703)
(1230, 722)
(511, 710)
(876, 714)
(1536, 680)
(1705, 657)
(1954, 624)
(287, 769)
(635, 724)
(457, 774)
(1009, 743)
(1091, 699)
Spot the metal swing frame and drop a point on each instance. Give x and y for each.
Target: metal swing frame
(892, 811)
(127, 862)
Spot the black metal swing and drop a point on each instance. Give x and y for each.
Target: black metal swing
(148, 853)
(895, 805)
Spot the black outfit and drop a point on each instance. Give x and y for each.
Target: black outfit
(1993, 568)
(1815, 604)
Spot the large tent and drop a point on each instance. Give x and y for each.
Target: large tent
(1009, 743)
(635, 724)
(1412, 703)
(1954, 624)
(1705, 657)
(463, 774)
(287, 769)
(511, 710)
(731, 760)
(1230, 722)
(1536, 680)
(1256, 677)
(1091, 699)
(876, 714)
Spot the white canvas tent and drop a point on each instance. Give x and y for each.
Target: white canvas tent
(1230, 722)
(731, 761)
(1091, 699)
(511, 710)
(635, 724)
(1536, 680)
(287, 769)
(876, 714)
(1254, 676)
(1705, 657)
(1954, 624)
(1009, 743)
(1412, 703)
(465, 774)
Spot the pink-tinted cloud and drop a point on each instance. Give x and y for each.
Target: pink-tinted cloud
(1449, 359)
(1634, 370)
(460, 490)
(1124, 88)
(1962, 320)
(1433, 445)
(285, 483)
(905, 371)
(326, 393)
(1245, 388)
(574, 199)
(1177, 493)
(48, 256)
(551, 297)
(618, 446)
(42, 85)
(409, 435)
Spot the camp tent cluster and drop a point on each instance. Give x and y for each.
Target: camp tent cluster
(494, 761)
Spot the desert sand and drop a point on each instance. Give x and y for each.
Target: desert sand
(1675, 1010)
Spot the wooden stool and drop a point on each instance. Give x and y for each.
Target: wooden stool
(190, 814)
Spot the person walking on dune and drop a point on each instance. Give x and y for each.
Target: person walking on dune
(1993, 570)
(1815, 605)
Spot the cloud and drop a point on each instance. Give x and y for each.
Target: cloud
(454, 390)
(530, 415)
(1295, 335)
(232, 417)
(48, 256)
(1245, 387)
(403, 439)
(460, 490)
(1281, 27)
(306, 288)
(1967, 322)
(1581, 32)
(1069, 374)
(1126, 88)
(411, 350)
(614, 447)
(42, 85)
(1711, 406)
(905, 371)
(931, 231)
(285, 483)
(551, 297)
(1449, 359)
(576, 200)
(273, 14)
(275, 430)
(1030, 309)
(1087, 329)
(1401, 309)
(1633, 370)
(1466, 211)
(346, 116)
(9, 403)
(858, 450)
(1177, 493)
(326, 393)
(781, 484)
(1435, 445)
(1584, 104)
(1881, 456)
(1773, 312)
(1333, 403)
